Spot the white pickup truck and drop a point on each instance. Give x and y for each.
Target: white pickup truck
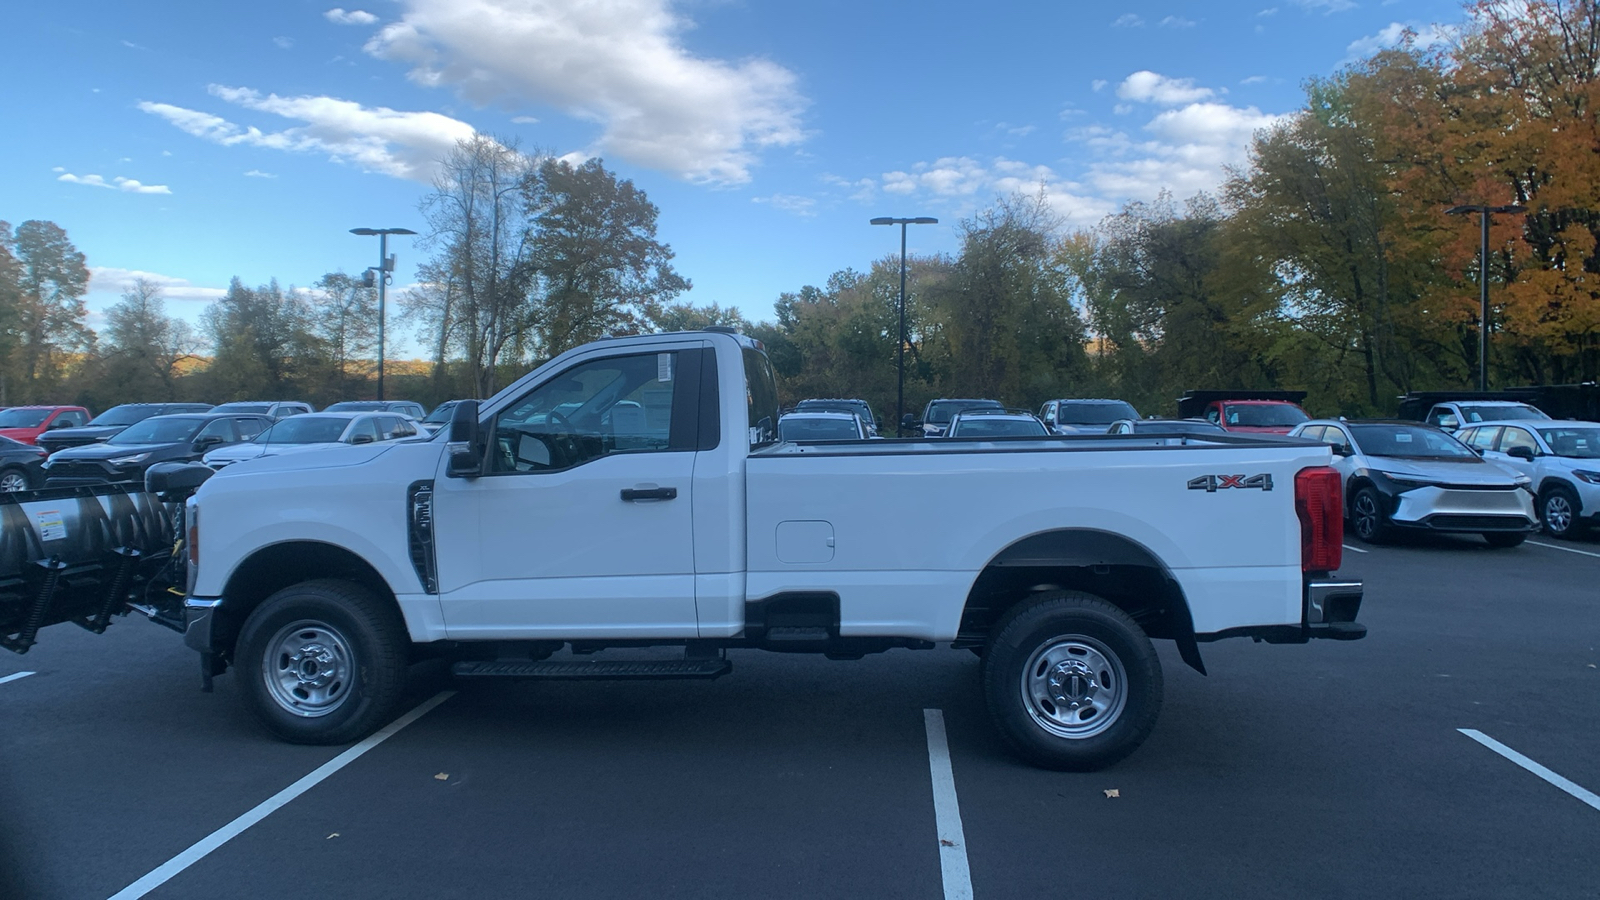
(632, 492)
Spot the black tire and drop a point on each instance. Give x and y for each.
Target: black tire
(1505, 539)
(344, 629)
(1558, 512)
(1367, 518)
(1055, 625)
(10, 474)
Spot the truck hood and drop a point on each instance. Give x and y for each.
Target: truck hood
(1475, 472)
(319, 456)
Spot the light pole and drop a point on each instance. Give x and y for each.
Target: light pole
(1483, 280)
(900, 350)
(385, 267)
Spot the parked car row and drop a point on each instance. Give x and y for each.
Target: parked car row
(61, 446)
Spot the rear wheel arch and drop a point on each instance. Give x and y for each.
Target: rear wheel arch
(1125, 573)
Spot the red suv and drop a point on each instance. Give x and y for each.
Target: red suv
(26, 423)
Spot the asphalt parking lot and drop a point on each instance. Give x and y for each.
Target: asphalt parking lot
(1325, 770)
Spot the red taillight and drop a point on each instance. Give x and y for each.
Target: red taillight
(1319, 502)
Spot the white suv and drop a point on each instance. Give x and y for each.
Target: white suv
(1562, 459)
(1461, 413)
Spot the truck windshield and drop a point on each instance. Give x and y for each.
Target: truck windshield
(1265, 415)
(761, 396)
(305, 430)
(1408, 442)
(1500, 413)
(1079, 412)
(23, 418)
(127, 414)
(159, 430)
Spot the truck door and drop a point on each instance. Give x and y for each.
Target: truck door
(580, 525)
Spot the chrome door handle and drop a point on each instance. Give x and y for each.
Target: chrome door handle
(649, 492)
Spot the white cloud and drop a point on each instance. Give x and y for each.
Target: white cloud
(1187, 152)
(1148, 87)
(1269, 11)
(789, 203)
(257, 173)
(1254, 79)
(131, 46)
(119, 183)
(963, 181)
(619, 64)
(1128, 20)
(374, 139)
(109, 280)
(524, 120)
(354, 17)
(1177, 22)
(861, 189)
(283, 43)
(1422, 37)
(1098, 85)
(1328, 7)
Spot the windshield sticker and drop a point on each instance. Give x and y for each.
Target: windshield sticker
(1402, 438)
(51, 526)
(663, 367)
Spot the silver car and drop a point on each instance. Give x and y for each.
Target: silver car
(1562, 458)
(316, 431)
(1404, 475)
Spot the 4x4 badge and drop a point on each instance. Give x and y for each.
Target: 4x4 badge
(1213, 483)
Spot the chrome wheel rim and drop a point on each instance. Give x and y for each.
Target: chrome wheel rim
(308, 668)
(12, 482)
(1366, 516)
(1074, 687)
(1557, 513)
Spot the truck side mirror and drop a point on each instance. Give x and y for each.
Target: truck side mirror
(464, 457)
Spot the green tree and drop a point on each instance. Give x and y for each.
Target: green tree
(263, 344)
(144, 349)
(44, 279)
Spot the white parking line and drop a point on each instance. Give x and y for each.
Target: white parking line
(14, 676)
(1583, 795)
(231, 830)
(1568, 549)
(1356, 549)
(946, 812)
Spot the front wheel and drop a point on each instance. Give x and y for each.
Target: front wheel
(13, 480)
(1072, 682)
(1366, 517)
(1504, 539)
(323, 662)
(1558, 511)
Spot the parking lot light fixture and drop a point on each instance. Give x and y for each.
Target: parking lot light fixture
(384, 271)
(900, 350)
(1483, 279)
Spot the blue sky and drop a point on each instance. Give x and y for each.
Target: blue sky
(196, 141)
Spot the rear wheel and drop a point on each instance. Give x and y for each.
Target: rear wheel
(1072, 682)
(1367, 518)
(323, 662)
(13, 480)
(1558, 511)
(1504, 539)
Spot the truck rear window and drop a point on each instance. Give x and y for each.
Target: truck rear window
(761, 396)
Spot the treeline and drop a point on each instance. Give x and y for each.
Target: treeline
(1327, 263)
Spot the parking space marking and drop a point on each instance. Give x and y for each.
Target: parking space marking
(1583, 795)
(14, 676)
(228, 832)
(1568, 549)
(946, 811)
(1356, 549)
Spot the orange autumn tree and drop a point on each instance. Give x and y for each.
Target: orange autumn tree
(1504, 115)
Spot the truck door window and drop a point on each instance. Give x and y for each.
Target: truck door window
(761, 394)
(621, 404)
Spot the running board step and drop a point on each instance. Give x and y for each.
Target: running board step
(595, 669)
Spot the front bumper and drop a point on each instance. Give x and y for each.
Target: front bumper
(1456, 509)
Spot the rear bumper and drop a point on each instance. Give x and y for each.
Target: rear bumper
(1328, 610)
